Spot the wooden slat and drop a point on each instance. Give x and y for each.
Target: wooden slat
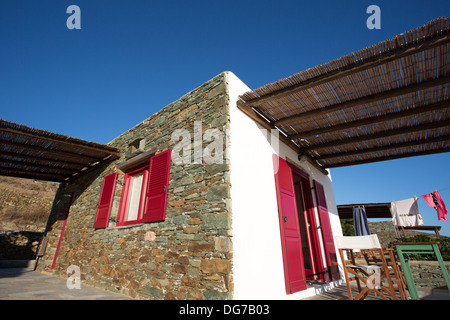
(73, 165)
(253, 115)
(49, 153)
(43, 166)
(384, 148)
(385, 158)
(25, 131)
(91, 168)
(383, 134)
(366, 99)
(354, 68)
(32, 175)
(374, 119)
(38, 154)
(68, 142)
(376, 103)
(34, 168)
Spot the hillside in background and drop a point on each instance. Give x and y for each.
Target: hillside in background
(25, 204)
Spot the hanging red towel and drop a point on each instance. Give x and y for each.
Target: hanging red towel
(434, 200)
(429, 199)
(441, 209)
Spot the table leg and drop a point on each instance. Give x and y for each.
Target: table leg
(408, 275)
(442, 265)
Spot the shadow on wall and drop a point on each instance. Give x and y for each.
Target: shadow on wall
(19, 245)
(61, 204)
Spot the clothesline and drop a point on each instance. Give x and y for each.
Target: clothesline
(406, 212)
(444, 189)
(440, 190)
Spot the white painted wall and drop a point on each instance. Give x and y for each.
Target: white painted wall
(257, 254)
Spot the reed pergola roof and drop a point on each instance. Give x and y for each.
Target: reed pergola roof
(386, 101)
(38, 154)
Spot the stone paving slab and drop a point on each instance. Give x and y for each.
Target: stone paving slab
(26, 284)
(341, 293)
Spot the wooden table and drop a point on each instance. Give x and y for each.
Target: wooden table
(421, 228)
(405, 248)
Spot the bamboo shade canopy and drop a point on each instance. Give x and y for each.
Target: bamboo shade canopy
(42, 155)
(386, 101)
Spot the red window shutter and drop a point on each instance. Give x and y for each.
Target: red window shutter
(123, 201)
(157, 186)
(327, 234)
(294, 268)
(105, 202)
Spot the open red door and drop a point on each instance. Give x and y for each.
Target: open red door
(294, 270)
(328, 240)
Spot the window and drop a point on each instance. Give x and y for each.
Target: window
(144, 193)
(133, 196)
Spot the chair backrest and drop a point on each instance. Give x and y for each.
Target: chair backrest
(358, 243)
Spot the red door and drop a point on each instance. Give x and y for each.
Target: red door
(294, 270)
(330, 249)
(312, 253)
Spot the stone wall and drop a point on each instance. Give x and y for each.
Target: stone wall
(428, 274)
(187, 256)
(384, 230)
(19, 245)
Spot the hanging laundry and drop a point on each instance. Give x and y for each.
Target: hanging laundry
(434, 200)
(360, 222)
(429, 199)
(405, 213)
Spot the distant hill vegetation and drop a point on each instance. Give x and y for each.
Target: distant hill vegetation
(25, 204)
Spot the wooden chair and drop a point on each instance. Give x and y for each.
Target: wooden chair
(394, 269)
(376, 275)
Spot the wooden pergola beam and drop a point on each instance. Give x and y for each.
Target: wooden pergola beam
(384, 158)
(50, 151)
(69, 142)
(384, 148)
(254, 115)
(395, 91)
(32, 175)
(90, 168)
(267, 125)
(354, 68)
(73, 165)
(374, 119)
(35, 168)
(38, 154)
(46, 167)
(363, 100)
(382, 134)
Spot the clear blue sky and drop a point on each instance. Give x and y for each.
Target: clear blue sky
(132, 58)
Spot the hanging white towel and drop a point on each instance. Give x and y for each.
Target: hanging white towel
(405, 213)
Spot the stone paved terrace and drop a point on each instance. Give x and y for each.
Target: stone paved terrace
(340, 293)
(26, 284)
